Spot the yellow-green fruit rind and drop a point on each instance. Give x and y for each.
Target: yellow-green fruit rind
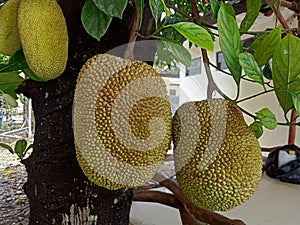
(9, 35)
(44, 37)
(122, 121)
(217, 157)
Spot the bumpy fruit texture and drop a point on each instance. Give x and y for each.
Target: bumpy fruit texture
(9, 35)
(217, 157)
(44, 37)
(122, 121)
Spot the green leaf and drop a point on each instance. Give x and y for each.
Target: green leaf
(258, 38)
(296, 100)
(16, 62)
(230, 42)
(179, 53)
(95, 21)
(163, 54)
(29, 73)
(267, 71)
(253, 7)
(195, 34)
(7, 147)
(286, 70)
(266, 47)
(140, 6)
(267, 118)
(271, 3)
(28, 148)
(214, 4)
(257, 129)
(167, 11)
(229, 9)
(113, 8)
(157, 8)
(20, 148)
(9, 81)
(250, 67)
(11, 91)
(10, 100)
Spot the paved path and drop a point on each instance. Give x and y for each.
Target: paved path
(14, 208)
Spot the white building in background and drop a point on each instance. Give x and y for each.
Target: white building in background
(190, 84)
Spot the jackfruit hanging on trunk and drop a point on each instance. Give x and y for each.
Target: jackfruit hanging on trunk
(58, 191)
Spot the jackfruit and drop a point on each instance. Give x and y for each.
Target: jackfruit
(218, 160)
(9, 35)
(122, 121)
(44, 37)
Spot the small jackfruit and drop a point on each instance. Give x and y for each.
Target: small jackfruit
(44, 37)
(218, 160)
(122, 121)
(9, 35)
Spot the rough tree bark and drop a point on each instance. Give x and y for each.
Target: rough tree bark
(58, 191)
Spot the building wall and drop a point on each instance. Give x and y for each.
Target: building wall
(193, 88)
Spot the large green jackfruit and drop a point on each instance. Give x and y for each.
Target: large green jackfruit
(44, 37)
(218, 160)
(122, 121)
(9, 35)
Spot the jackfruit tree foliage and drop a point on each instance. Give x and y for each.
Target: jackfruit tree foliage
(272, 67)
(177, 26)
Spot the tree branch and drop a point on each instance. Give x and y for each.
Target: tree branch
(280, 16)
(180, 12)
(287, 4)
(294, 6)
(211, 87)
(129, 52)
(155, 196)
(200, 214)
(186, 217)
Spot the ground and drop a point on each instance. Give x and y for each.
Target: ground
(14, 203)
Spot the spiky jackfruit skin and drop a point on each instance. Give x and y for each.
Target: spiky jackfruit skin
(218, 160)
(9, 35)
(122, 121)
(44, 37)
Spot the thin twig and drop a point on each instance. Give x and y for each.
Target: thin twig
(254, 96)
(184, 14)
(129, 52)
(280, 17)
(211, 87)
(294, 6)
(287, 4)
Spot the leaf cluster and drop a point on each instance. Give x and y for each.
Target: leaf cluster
(271, 61)
(20, 149)
(13, 71)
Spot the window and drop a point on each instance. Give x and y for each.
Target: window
(220, 61)
(194, 68)
(173, 92)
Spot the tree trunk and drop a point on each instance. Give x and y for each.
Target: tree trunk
(57, 189)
